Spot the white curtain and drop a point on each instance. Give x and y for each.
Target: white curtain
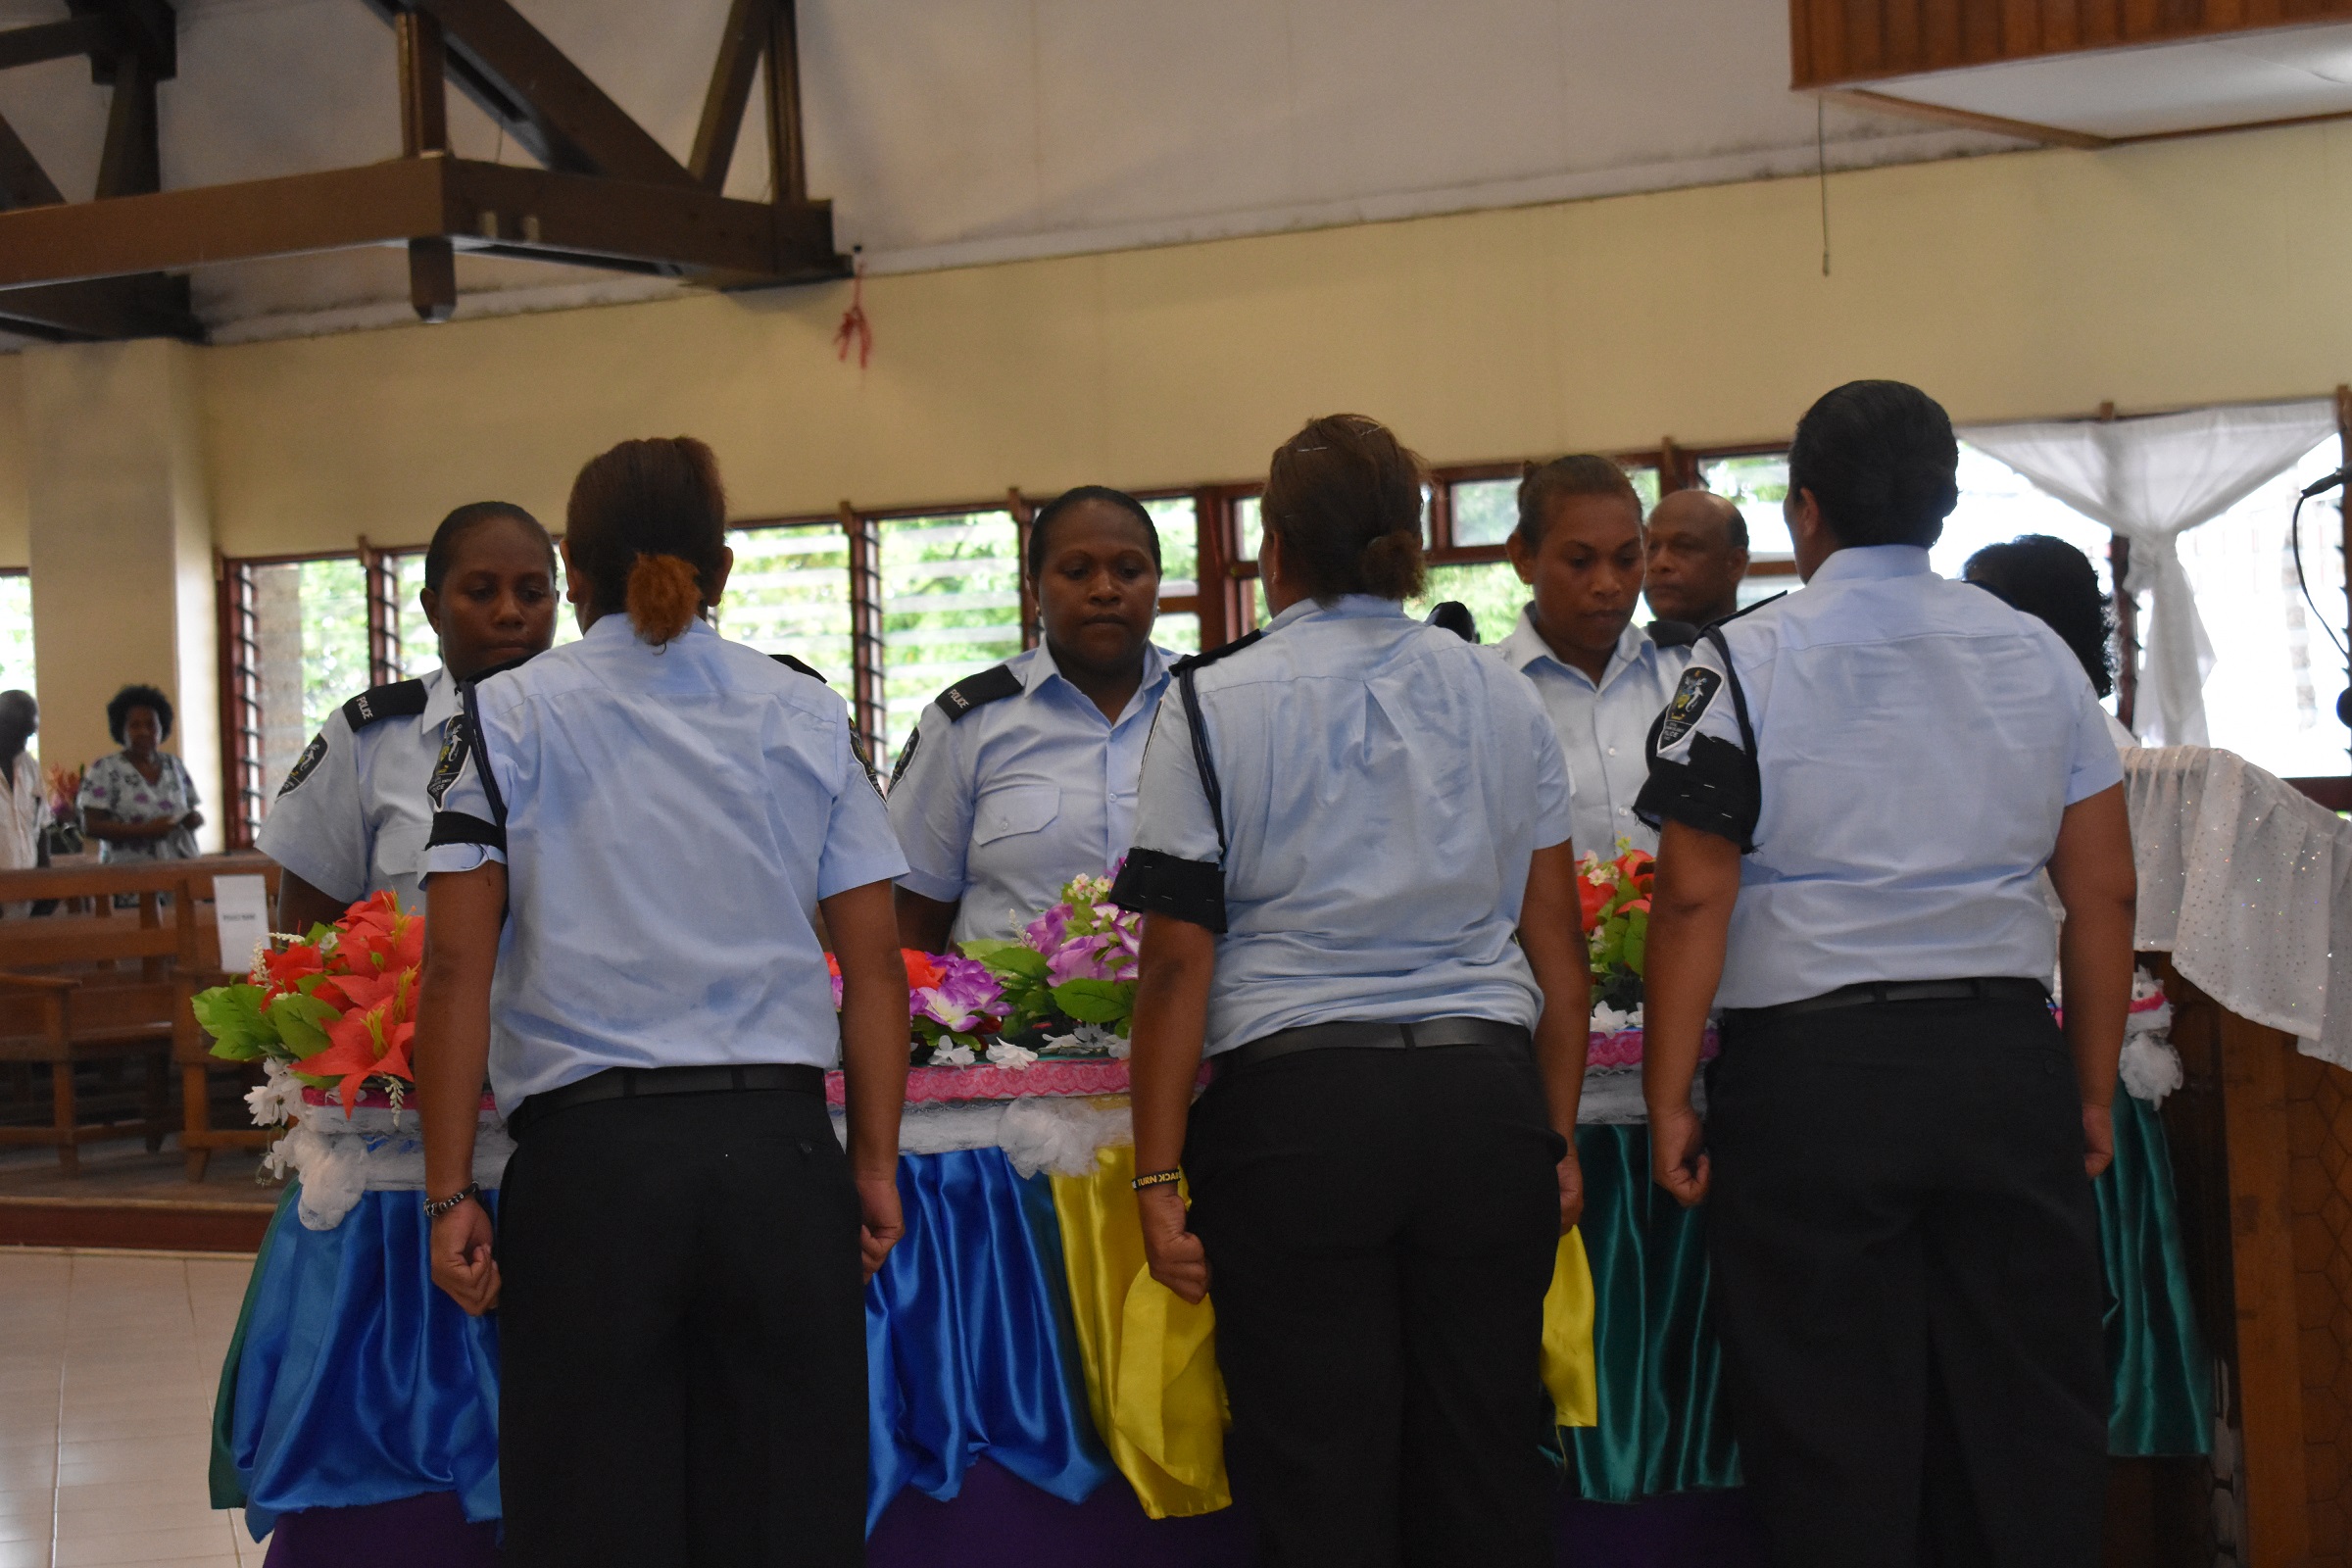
(2151, 481)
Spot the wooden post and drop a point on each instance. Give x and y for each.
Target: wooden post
(788, 161)
(1024, 518)
(1212, 526)
(866, 700)
(424, 133)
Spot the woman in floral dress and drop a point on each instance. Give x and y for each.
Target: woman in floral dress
(140, 803)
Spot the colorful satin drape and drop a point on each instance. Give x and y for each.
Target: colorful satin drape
(2160, 1372)
(352, 1378)
(969, 1346)
(1149, 1358)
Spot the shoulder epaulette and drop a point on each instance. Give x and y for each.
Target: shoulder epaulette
(975, 692)
(792, 664)
(1672, 634)
(402, 698)
(1195, 662)
(1750, 610)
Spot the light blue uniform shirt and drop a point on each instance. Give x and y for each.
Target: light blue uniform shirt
(351, 819)
(1605, 729)
(1000, 807)
(672, 816)
(1917, 741)
(1384, 785)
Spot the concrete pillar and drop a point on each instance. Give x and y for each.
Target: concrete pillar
(121, 549)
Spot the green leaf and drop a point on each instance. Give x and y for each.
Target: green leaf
(1095, 1000)
(232, 1016)
(1009, 960)
(1636, 944)
(301, 1022)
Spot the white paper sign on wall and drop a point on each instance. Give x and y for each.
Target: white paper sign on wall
(242, 908)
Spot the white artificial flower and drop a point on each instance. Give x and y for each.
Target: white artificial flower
(1607, 1020)
(1005, 1054)
(953, 1056)
(278, 1099)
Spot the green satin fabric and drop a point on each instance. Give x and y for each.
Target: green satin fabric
(2161, 1373)
(1663, 1425)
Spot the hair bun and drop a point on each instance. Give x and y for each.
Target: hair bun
(665, 596)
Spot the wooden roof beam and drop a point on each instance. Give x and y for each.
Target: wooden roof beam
(23, 183)
(739, 49)
(55, 40)
(681, 230)
(548, 103)
(149, 304)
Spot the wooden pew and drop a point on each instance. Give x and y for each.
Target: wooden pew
(92, 980)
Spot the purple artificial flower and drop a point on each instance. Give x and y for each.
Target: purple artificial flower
(966, 993)
(1079, 959)
(1044, 933)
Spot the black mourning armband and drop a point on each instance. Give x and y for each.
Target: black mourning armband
(1154, 883)
(1717, 792)
(460, 827)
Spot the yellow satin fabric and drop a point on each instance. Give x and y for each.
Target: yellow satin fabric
(1150, 1359)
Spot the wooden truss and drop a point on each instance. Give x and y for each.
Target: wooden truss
(610, 196)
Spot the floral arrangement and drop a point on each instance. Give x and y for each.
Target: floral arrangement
(1070, 980)
(336, 1008)
(64, 785)
(955, 1009)
(1616, 910)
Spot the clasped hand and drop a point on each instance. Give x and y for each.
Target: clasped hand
(1177, 1258)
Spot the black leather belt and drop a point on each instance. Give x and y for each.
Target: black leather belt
(630, 1083)
(1993, 988)
(1426, 1034)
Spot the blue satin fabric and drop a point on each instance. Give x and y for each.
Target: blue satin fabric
(970, 1342)
(354, 1379)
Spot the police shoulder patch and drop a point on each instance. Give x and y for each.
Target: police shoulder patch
(866, 760)
(305, 764)
(906, 755)
(1697, 690)
(447, 766)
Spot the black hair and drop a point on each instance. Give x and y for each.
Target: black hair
(1344, 496)
(463, 522)
(1882, 462)
(1580, 473)
(2052, 581)
(1069, 498)
(118, 710)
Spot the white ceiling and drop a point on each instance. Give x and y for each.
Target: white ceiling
(2250, 79)
(961, 131)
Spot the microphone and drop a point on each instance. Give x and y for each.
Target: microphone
(2319, 487)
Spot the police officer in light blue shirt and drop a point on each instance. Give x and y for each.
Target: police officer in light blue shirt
(1023, 776)
(1859, 786)
(351, 819)
(633, 838)
(1353, 857)
(1603, 679)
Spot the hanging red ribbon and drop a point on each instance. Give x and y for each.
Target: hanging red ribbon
(855, 327)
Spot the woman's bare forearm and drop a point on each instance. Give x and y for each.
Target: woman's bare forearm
(1551, 933)
(874, 1030)
(1171, 1023)
(2092, 870)
(451, 1053)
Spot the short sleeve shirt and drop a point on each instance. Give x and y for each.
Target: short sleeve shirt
(997, 807)
(1384, 787)
(1604, 729)
(668, 818)
(1917, 741)
(113, 784)
(351, 817)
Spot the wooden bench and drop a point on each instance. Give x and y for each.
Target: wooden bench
(107, 976)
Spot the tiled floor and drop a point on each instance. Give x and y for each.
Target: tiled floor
(108, 1362)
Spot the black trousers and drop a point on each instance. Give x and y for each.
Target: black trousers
(1381, 1227)
(1908, 1285)
(682, 1333)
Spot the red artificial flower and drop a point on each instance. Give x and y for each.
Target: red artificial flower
(361, 992)
(832, 966)
(373, 1042)
(922, 969)
(1640, 905)
(1595, 898)
(295, 964)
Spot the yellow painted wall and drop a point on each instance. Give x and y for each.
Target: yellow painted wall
(2027, 284)
(14, 502)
